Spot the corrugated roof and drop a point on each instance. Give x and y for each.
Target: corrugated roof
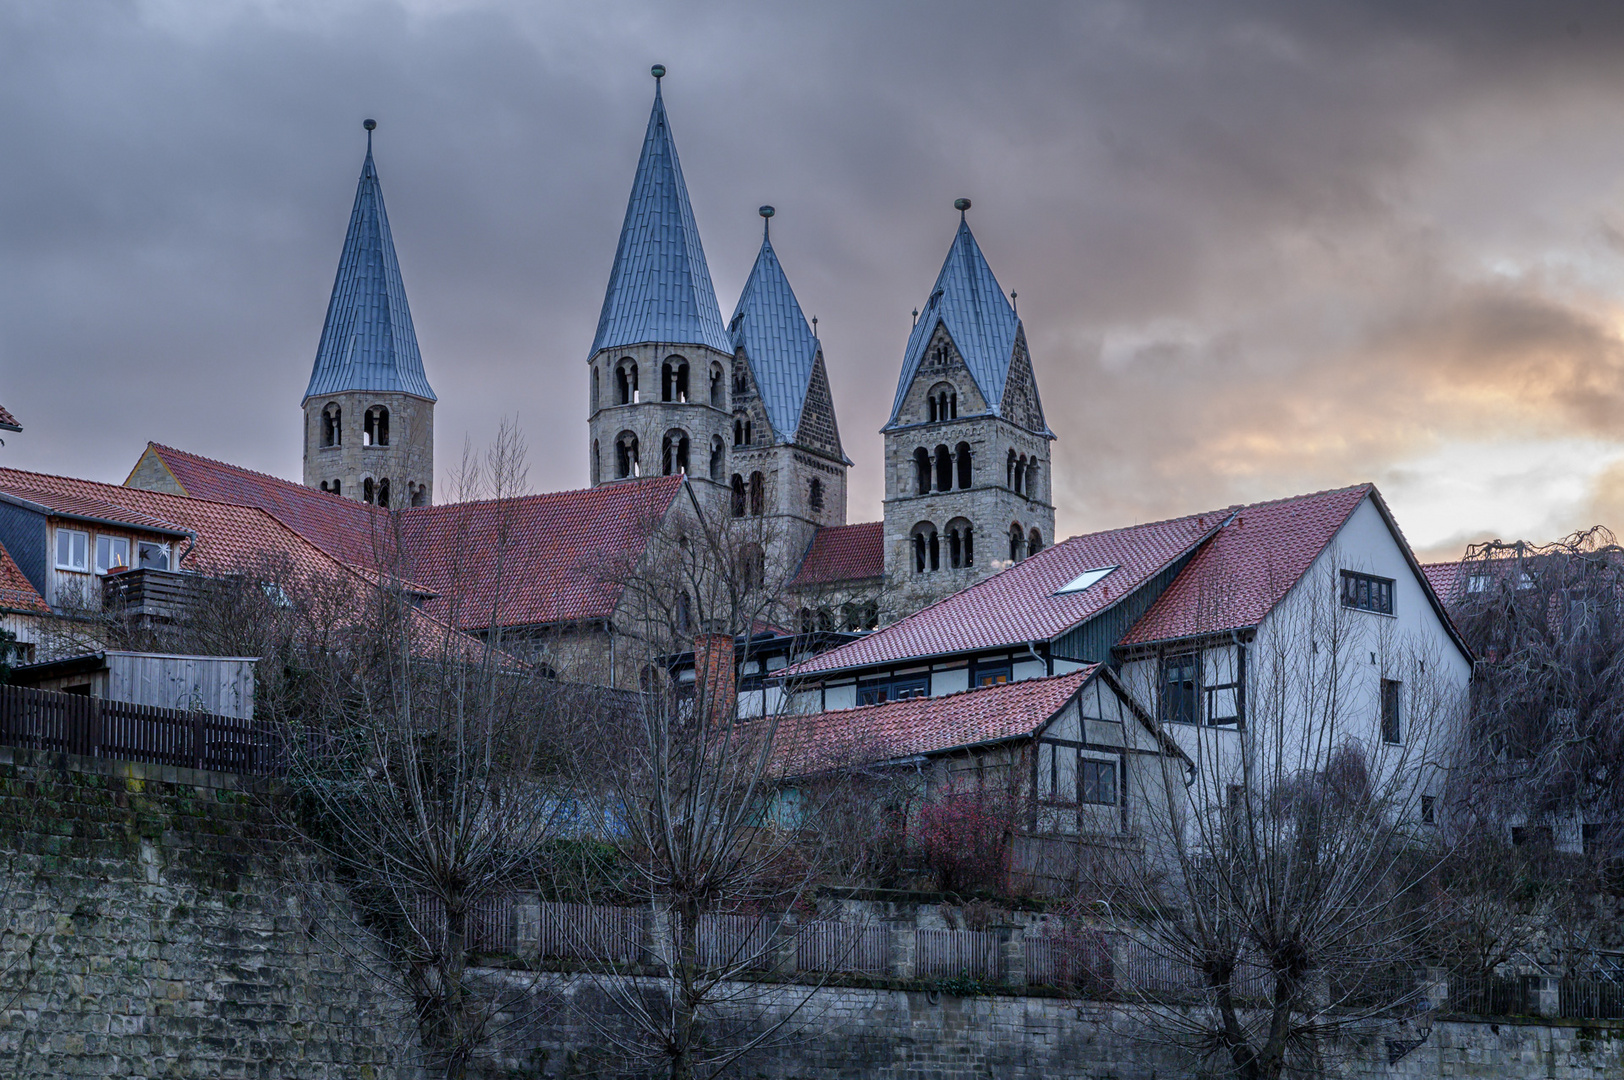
(1024, 602)
(1247, 568)
(660, 285)
(368, 341)
(968, 300)
(924, 725)
(843, 553)
(771, 328)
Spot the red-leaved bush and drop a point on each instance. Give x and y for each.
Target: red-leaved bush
(964, 840)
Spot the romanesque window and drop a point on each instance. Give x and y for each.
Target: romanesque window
(752, 566)
(674, 379)
(922, 471)
(944, 469)
(383, 492)
(966, 474)
(758, 494)
(1009, 471)
(324, 485)
(1031, 485)
(375, 427)
(742, 435)
(1034, 542)
(717, 386)
(626, 463)
(420, 494)
(369, 490)
(626, 381)
(332, 425)
(596, 462)
(1017, 543)
(961, 550)
(741, 382)
(674, 452)
(594, 388)
(337, 488)
(943, 403)
(718, 458)
(814, 494)
(738, 495)
(927, 548)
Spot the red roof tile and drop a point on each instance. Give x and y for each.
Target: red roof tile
(17, 593)
(1023, 603)
(7, 421)
(75, 504)
(348, 530)
(924, 725)
(1248, 566)
(1447, 579)
(843, 553)
(560, 559)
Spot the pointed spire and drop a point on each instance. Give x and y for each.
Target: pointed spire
(660, 286)
(970, 303)
(780, 347)
(368, 341)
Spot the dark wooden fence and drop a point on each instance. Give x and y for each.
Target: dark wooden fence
(96, 727)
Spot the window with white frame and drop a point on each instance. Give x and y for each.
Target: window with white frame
(152, 556)
(112, 553)
(1097, 782)
(72, 549)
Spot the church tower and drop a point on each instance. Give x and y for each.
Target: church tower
(784, 453)
(662, 361)
(966, 448)
(369, 410)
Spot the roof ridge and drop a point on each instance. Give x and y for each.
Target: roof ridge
(619, 485)
(165, 448)
(148, 493)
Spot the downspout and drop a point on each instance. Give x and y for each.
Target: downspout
(1031, 647)
(191, 542)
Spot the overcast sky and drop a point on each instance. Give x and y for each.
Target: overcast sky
(1261, 248)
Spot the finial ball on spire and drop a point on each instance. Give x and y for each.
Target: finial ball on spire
(766, 211)
(961, 205)
(658, 71)
(369, 124)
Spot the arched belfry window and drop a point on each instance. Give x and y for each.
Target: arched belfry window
(597, 473)
(943, 403)
(758, 494)
(718, 386)
(927, 547)
(674, 379)
(1017, 543)
(718, 458)
(922, 471)
(814, 494)
(1031, 483)
(1034, 542)
(674, 452)
(420, 494)
(966, 473)
(375, 427)
(738, 495)
(626, 463)
(1009, 472)
(332, 425)
(944, 469)
(594, 388)
(961, 549)
(626, 381)
(369, 490)
(383, 492)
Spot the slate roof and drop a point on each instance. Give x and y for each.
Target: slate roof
(921, 726)
(769, 325)
(350, 531)
(560, 546)
(17, 593)
(1248, 566)
(843, 553)
(1021, 604)
(7, 421)
(561, 556)
(368, 341)
(968, 300)
(660, 286)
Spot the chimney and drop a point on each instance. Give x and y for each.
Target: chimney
(715, 676)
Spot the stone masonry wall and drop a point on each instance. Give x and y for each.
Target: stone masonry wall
(147, 929)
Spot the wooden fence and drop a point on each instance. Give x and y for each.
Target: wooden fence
(96, 727)
(953, 953)
(735, 941)
(589, 932)
(837, 946)
(1080, 962)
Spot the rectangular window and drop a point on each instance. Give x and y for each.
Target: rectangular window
(992, 674)
(1366, 592)
(1180, 687)
(1097, 781)
(1392, 700)
(879, 691)
(152, 556)
(72, 550)
(1429, 810)
(112, 553)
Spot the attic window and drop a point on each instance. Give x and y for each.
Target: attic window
(1084, 580)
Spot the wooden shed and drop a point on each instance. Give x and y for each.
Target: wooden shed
(223, 685)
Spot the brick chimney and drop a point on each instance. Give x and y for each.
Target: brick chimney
(715, 675)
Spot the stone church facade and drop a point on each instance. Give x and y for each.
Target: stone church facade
(741, 407)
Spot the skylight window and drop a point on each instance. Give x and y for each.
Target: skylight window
(1084, 580)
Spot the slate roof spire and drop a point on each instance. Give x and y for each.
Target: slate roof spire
(771, 328)
(969, 302)
(660, 286)
(368, 342)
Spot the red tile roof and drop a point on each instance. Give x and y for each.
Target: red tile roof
(348, 530)
(75, 504)
(1023, 603)
(561, 555)
(843, 553)
(7, 421)
(924, 725)
(1248, 566)
(17, 593)
(561, 550)
(1447, 579)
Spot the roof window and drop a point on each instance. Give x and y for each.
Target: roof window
(1085, 579)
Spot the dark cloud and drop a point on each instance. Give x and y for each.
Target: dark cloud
(1260, 247)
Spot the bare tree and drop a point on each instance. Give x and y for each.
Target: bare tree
(1279, 906)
